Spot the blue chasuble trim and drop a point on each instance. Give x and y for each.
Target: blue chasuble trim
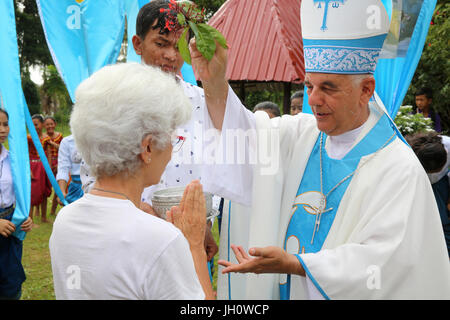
(229, 246)
(322, 292)
(300, 237)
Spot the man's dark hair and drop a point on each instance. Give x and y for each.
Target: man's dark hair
(425, 91)
(269, 106)
(429, 149)
(150, 13)
(297, 94)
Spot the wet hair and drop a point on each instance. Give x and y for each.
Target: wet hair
(147, 16)
(4, 112)
(39, 117)
(429, 149)
(297, 94)
(269, 106)
(425, 91)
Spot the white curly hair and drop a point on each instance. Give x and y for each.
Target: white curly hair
(117, 107)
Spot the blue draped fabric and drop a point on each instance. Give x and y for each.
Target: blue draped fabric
(393, 76)
(83, 36)
(132, 9)
(44, 160)
(12, 99)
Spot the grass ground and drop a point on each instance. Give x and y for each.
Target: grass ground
(37, 265)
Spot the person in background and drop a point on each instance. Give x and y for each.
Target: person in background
(68, 175)
(12, 274)
(55, 140)
(41, 188)
(424, 99)
(433, 151)
(127, 140)
(297, 102)
(272, 109)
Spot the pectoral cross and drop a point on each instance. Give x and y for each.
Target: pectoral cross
(325, 13)
(318, 217)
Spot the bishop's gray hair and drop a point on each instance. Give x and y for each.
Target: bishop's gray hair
(358, 78)
(120, 105)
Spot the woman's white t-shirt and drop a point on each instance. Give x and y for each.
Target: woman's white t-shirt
(104, 248)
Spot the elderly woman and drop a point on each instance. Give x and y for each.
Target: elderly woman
(102, 245)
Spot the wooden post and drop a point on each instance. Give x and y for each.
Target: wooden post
(242, 92)
(287, 98)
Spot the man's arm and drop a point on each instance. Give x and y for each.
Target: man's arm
(63, 185)
(213, 76)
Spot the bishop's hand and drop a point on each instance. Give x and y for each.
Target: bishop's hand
(209, 71)
(266, 260)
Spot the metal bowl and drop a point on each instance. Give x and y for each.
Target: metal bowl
(165, 199)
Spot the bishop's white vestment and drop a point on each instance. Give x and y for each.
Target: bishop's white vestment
(385, 240)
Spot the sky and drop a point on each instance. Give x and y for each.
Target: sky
(36, 75)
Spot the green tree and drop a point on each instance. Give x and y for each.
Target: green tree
(33, 50)
(31, 93)
(54, 95)
(433, 70)
(211, 6)
(409, 123)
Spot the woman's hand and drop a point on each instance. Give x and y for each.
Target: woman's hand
(6, 228)
(267, 260)
(190, 216)
(27, 225)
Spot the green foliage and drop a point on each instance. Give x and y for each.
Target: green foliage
(31, 94)
(211, 6)
(56, 99)
(433, 70)
(33, 48)
(190, 16)
(252, 98)
(409, 123)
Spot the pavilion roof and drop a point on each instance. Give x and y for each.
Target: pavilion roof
(265, 40)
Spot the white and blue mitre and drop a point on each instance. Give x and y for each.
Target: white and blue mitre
(343, 36)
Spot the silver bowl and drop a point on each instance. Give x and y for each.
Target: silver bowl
(165, 199)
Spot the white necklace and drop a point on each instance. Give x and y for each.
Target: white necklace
(323, 200)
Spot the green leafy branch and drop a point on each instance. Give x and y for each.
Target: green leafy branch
(189, 16)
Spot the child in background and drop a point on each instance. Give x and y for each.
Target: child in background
(55, 140)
